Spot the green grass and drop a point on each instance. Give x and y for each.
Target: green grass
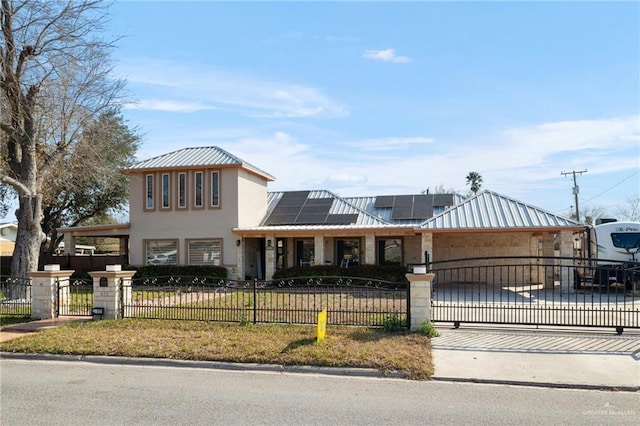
(361, 347)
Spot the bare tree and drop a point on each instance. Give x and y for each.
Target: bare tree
(56, 78)
(630, 211)
(88, 184)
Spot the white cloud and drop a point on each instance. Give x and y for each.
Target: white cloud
(386, 55)
(392, 143)
(167, 105)
(251, 96)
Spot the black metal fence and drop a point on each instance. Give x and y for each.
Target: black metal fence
(15, 297)
(538, 291)
(348, 300)
(75, 297)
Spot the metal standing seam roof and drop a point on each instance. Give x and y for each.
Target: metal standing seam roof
(490, 210)
(196, 157)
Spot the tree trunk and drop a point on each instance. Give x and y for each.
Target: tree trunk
(27, 249)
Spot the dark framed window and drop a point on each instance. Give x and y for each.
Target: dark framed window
(305, 252)
(390, 251)
(348, 252)
(149, 191)
(166, 190)
(197, 189)
(182, 190)
(215, 189)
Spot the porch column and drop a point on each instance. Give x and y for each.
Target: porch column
(426, 245)
(369, 249)
(270, 260)
(106, 290)
(69, 244)
(420, 299)
(566, 272)
(547, 251)
(318, 249)
(239, 259)
(44, 300)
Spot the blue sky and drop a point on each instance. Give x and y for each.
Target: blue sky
(377, 98)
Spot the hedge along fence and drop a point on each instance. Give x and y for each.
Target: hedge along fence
(392, 273)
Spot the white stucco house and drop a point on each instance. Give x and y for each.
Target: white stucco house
(205, 206)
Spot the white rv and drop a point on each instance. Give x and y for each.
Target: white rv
(617, 242)
(612, 249)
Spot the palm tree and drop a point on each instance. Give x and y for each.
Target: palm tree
(475, 180)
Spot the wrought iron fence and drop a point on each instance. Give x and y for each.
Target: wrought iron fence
(538, 291)
(75, 297)
(348, 300)
(15, 297)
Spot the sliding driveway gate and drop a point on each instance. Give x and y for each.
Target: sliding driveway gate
(348, 300)
(537, 291)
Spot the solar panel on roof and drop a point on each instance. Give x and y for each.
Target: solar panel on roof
(311, 218)
(402, 212)
(384, 201)
(403, 200)
(341, 219)
(319, 202)
(443, 199)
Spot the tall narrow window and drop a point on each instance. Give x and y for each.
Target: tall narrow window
(197, 187)
(215, 189)
(149, 191)
(166, 190)
(182, 190)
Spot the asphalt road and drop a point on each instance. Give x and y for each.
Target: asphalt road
(56, 392)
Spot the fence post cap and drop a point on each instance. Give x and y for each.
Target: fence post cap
(114, 268)
(52, 267)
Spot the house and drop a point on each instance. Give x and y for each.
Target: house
(8, 234)
(205, 206)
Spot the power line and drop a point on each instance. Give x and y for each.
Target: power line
(576, 188)
(609, 189)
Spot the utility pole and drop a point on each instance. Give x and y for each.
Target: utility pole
(576, 188)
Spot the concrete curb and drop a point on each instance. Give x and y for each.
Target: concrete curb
(165, 362)
(539, 384)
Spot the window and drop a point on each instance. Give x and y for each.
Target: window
(182, 190)
(197, 195)
(204, 252)
(215, 189)
(149, 191)
(348, 252)
(626, 240)
(161, 252)
(305, 252)
(166, 190)
(390, 251)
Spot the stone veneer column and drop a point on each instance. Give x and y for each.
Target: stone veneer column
(566, 272)
(106, 290)
(420, 301)
(43, 291)
(318, 250)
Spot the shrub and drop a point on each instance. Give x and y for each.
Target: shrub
(427, 329)
(393, 324)
(180, 270)
(393, 273)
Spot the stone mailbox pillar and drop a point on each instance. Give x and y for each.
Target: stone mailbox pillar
(420, 301)
(108, 302)
(45, 298)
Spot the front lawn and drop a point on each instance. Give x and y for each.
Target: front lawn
(343, 346)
